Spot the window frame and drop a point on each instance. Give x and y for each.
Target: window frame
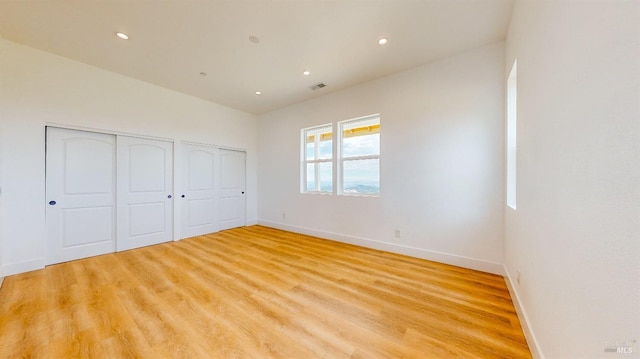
(341, 159)
(316, 161)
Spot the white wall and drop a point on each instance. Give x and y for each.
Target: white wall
(39, 88)
(575, 235)
(1, 189)
(441, 163)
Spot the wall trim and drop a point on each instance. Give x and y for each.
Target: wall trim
(446, 258)
(22, 267)
(534, 345)
(106, 131)
(220, 147)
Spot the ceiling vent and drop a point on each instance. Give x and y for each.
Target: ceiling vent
(318, 86)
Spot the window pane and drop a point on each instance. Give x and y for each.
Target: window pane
(311, 177)
(323, 138)
(325, 149)
(361, 145)
(326, 176)
(361, 176)
(317, 146)
(310, 151)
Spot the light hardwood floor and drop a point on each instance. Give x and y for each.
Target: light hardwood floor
(257, 292)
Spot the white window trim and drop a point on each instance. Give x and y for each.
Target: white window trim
(339, 185)
(316, 161)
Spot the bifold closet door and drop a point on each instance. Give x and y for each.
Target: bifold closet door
(232, 189)
(80, 194)
(145, 192)
(198, 195)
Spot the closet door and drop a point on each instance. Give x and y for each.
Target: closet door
(80, 194)
(232, 187)
(198, 196)
(145, 192)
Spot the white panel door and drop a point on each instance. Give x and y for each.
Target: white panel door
(80, 194)
(232, 187)
(198, 197)
(145, 191)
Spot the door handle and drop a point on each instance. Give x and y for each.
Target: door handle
(169, 196)
(242, 192)
(182, 196)
(52, 203)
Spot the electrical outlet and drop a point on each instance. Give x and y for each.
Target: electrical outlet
(518, 276)
(396, 233)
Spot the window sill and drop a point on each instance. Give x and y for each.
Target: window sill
(372, 195)
(318, 193)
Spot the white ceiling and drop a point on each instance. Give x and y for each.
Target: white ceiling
(171, 42)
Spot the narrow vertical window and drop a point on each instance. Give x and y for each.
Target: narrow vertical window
(359, 148)
(317, 159)
(512, 97)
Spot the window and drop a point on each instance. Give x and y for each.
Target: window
(356, 157)
(317, 159)
(512, 97)
(360, 156)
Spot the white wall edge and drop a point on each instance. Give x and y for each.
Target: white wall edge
(534, 346)
(23, 267)
(446, 258)
(251, 222)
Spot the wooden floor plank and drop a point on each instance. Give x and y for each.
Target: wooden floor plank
(257, 292)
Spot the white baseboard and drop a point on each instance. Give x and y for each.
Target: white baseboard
(22, 267)
(534, 346)
(252, 222)
(452, 259)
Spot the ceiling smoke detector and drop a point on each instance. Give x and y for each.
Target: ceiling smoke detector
(318, 86)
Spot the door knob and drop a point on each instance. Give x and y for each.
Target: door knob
(169, 196)
(52, 203)
(243, 192)
(182, 196)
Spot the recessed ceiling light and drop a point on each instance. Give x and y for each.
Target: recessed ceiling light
(258, 93)
(383, 41)
(306, 72)
(122, 35)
